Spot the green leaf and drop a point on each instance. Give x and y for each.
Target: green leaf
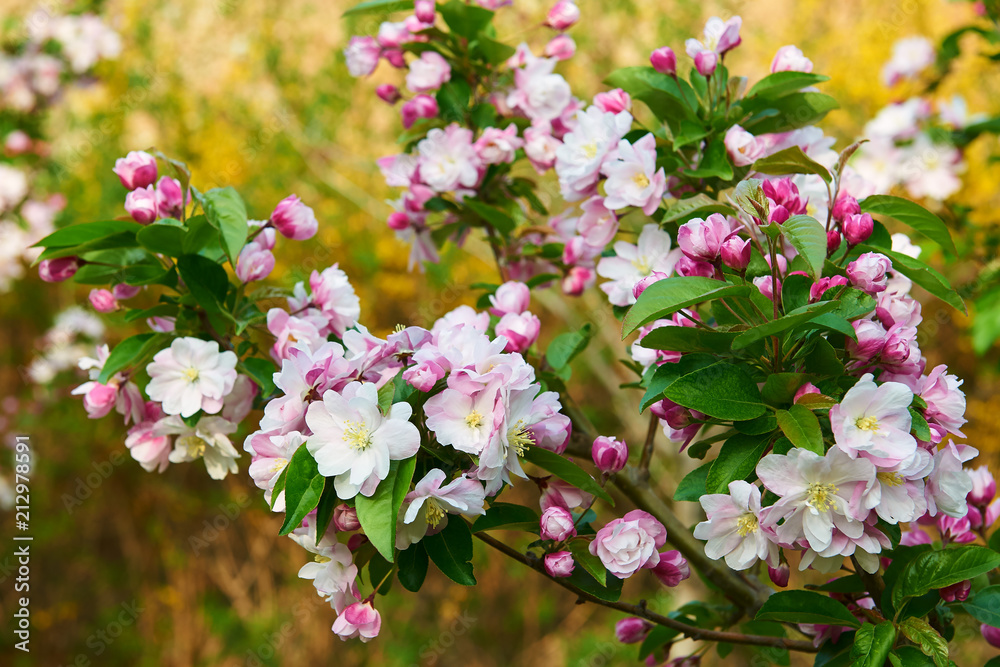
(806, 607)
(919, 631)
(592, 564)
(226, 212)
(566, 346)
(872, 644)
(790, 161)
(919, 426)
(586, 582)
(567, 471)
(700, 205)
(780, 388)
(378, 513)
(694, 485)
(160, 310)
(688, 339)
(913, 215)
(791, 320)
(667, 296)
(453, 100)
(379, 570)
(261, 371)
(737, 459)
(923, 275)
(667, 97)
(794, 110)
(984, 606)
(782, 83)
(666, 374)
(208, 283)
(808, 237)
(937, 569)
(714, 163)
(508, 516)
(722, 390)
(451, 551)
(465, 20)
(303, 488)
(112, 242)
(412, 563)
(492, 51)
(75, 235)
(496, 218)
(131, 351)
(201, 236)
(328, 502)
(164, 236)
(379, 7)
(911, 656)
(801, 426)
(656, 638)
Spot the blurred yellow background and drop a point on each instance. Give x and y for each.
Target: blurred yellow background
(254, 94)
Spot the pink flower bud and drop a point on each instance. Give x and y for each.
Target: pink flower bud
(614, 101)
(356, 541)
(58, 270)
(560, 47)
(706, 62)
(672, 568)
(424, 10)
(646, 281)
(388, 93)
(358, 620)
(956, 592)
(845, 206)
(562, 15)
(779, 575)
(821, 286)
(254, 263)
(664, 60)
(395, 58)
(858, 227)
(790, 59)
(632, 630)
(701, 240)
(345, 519)
(577, 280)
(871, 339)
(868, 272)
(421, 106)
(169, 198)
(511, 297)
(735, 252)
(557, 524)
(16, 143)
(778, 214)
(398, 221)
(744, 149)
(807, 388)
(520, 330)
(266, 237)
(103, 301)
(428, 72)
(293, 219)
(766, 286)
(98, 399)
(984, 487)
(559, 564)
(990, 634)
(610, 455)
(832, 241)
(122, 292)
(141, 204)
(136, 170)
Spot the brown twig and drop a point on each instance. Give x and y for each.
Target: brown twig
(647, 447)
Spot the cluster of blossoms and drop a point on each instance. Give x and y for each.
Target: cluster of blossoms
(777, 310)
(57, 51)
(909, 142)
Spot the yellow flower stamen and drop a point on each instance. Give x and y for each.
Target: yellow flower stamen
(434, 512)
(640, 179)
(747, 524)
(474, 419)
(821, 496)
(358, 436)
(191, 374)
(867, 423)
(890, 478)
(519, 438)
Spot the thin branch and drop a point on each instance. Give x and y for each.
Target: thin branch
(640, 610)
(647, 447)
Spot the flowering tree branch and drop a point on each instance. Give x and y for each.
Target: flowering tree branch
(641, 611)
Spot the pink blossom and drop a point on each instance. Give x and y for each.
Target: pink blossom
(949, 483)
(191, 375)
(735, 252)
(584, 150)
(59, 269)
(560, 47)
(421, 106)
(448, 159)
(254, 263)
(345, 518)
(556, 492)
(821, 286)
(984, 487)
(292, 330)
(426, 508)
(613, 101)
(393, 35)
(520, 330)
(790, 59)
(540, 147)
(141, 204)
(136, 170)
(664, 60)
(845, 206)
(169, 198)
(733, 529)
(152, 451)
(358, 620)
(719, 37)
(874, 421)
(633, 179)
(123, 292)
(98, 399)
(945, 401)
(672, 569)
(424, 10)
(858, 227)
(362, 54)
(559, 564)
(334, 295)
(557, 524)
(562, 15)
(990, 634)
(496, 146)
(633, 262)
(627, 544)
(766, 286)
(702, 239)
(388, 93)
(807, 388)
(103, 301)
(428, 72)
(869, 272)
(632, 630)
(511, 297)
(538, 91)
(609, 454)
(744, 149)
(293, 219)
